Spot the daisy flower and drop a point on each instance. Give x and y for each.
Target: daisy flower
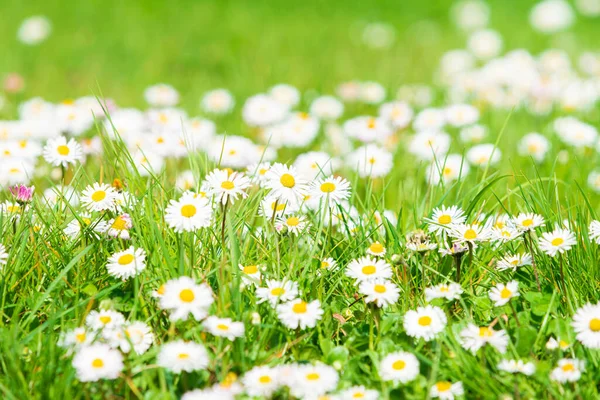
(300, 314)
(127, 264)
(76, 338)
(218, 101)
(359, 392)
(59, 151)
(258, 172)
(586, 323)
(470, 233)
(189, 213)
(553, 344)
(286, 184)
(132, 335)
(517, 366)
(568, 370)
(474, 337)
(443, 218)
(447, 169)
(366, 268)
(513, 261)
(119, 227)
(328, 263)
(455, 249)
(104, 319)
(421, 247)
(99, 197)
(182, 296)
(502, 293)
(3, 255)
(446, 390)
(179, 356)
(528, 221)
(261, 381)
(557, 241)
(250, 274)
(505, 234)
(425, 322)
(594, 231)
(376, 249)
(313, 380)
(379, 291)
(161, 95)
(334, 189)
(272, 206)
(277, 292)
(224, 327)
(295, 224)
(97, 361)
(448, 291)
(400, 367)
(371, 161)
(227, 186)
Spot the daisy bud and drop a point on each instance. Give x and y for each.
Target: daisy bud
(255, 318)
(22, 194)
(396, 259)
(338, 365)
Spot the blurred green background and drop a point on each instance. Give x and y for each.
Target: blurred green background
(246, 46)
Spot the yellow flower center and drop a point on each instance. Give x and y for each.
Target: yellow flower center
(372, 160)
(293, 221)
(425, 320)
(470, 234)
(227, 185)
(287, 181)
(277, 291)
(183, 356)
(161, 290)
(98, 195)
(568, 367)
(563, 344)
(369, 269)
(527, 222)
(119, 224)
(299, 308)
(125, 259)
(97, 363)
(80, 337)
(443, 386)
(264, 379)
(105, 319)
(188, 211)
(505, 293)
(484, 331)
(447, 171)
(327, 187)
(557, 241)
(379, 288)
(186, 295)
(313, 376)
(376, 248)
(250, 269)
(324, 264)
(444, 289)
(63, 150)
(445, 219)
(262, 171)
(398, 365)
(222, 327)
(358, 395)
(371, 123)
(595, 325)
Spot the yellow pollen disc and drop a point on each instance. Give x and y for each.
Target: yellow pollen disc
(327, 187)
(229, 380)
(563, 344)
(443, 386)
(188, 211)
(376, 248)
(232, 152)
(222, 327)
(324, 264)
(186, 295)
(515, 262)
(97, 363)
(444, 219)
(63, 150)
(379, 288)
(250, 269)
(425, 320)
(105, 319)
(299, 308)
(527, 222)
(484, 331)
(372, 160)
(163, 118)
(293, 221)
(505, 293)
(568, 367)
(160, 140)
(13, 209)
(99, 195)
(470, 234)
(80, 337)
(369, 269)
(23, 144)
(161, 290)
(279, 207)
(371, 123)
(227, 185)
(14, 170)
(313, 376)
(287, 181)
(447, 171)
(595, 325)
(557, 241)
(262, 171)
(264, 379)
(125, 259)
(277, 291)
(183, 356)
(499, 224)
(399, 365)
(506, 234)
(119, 224)
(444, 289)
(358, 395)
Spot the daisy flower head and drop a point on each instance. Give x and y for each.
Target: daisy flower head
(250, 274)
(430, 145)
(376, 249)
(568, 370)
(104, 319)
(447, 169)
(34, 30)
(359, 392)
(483, 155)
(398, 114)
(502, 293)
(425, 322)
(273, 207)
(227, 186)
(505, 234)
(97, 361)
(367, 268)
(446, 390)
(371, 161)
(517, 367)
(513, 261)
(60, 152)
(224, 327)
(594, 231)
(379, 291)
(261, 381)
(586, 323)
(217, 101)
(473, 338)
(189, 213)
(262, 110)
(313, 380)
(421, 247)
(444, 217)
(327, 264)
(127, 264)
(528, 221)
(557, 241)
(258, 172)
(400, 367)
(327, 108)
(535, 146)
(459, 115)
(456, 249)
(99, 197)
(119, 227)
(286, 184)
(75, 338)
(470, 233)
(553, 344)
(295, 224)
(367, 129)
(449, 291)
(334, 189)
(183, 296)
(277, 292)
(178, 356)
(132, 335)
(161, 95)
(300, 314)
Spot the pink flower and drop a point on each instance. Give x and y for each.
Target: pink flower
(23, 194)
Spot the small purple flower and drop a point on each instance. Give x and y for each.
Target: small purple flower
(22, 194)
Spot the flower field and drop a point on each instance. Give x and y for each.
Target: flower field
(234, 200)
